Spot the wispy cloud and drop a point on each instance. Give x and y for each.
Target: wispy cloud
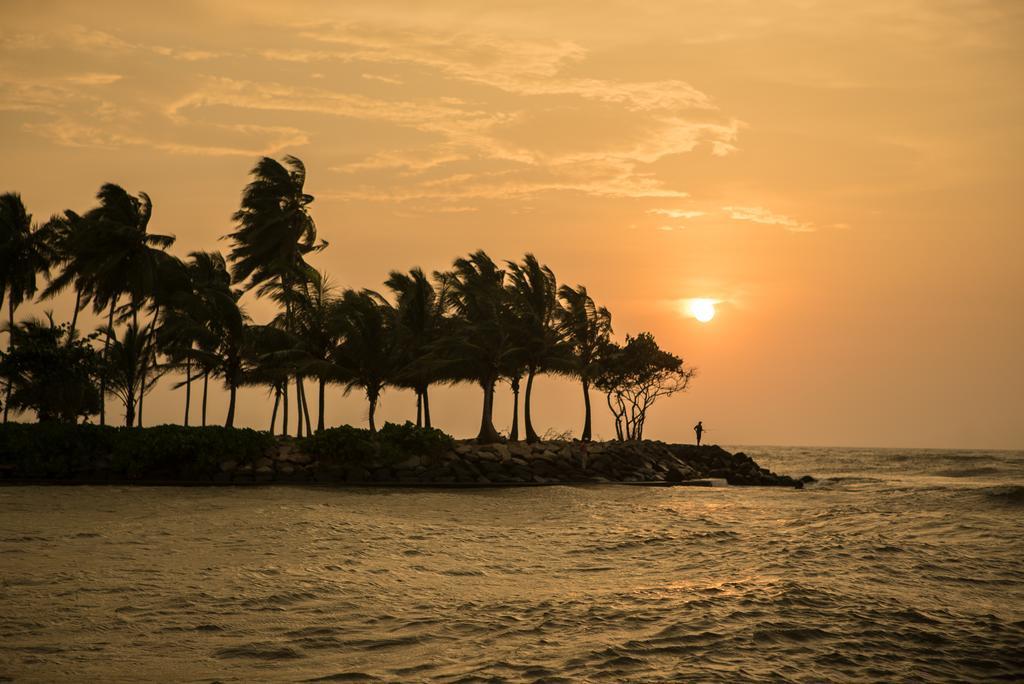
(765, 216)
(677, 213)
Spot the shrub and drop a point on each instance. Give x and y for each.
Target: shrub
(347, 445)
(56, 450)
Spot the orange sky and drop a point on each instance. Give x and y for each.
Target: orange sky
(844, 177)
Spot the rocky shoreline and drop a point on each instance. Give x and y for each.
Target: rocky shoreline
(514, 464)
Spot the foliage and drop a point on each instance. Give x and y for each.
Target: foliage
(62, 450)
(347, 445)
(476, 322)
(633, 376)
(51, 372)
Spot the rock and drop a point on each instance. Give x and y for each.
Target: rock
(807, 479)
(678, 474)
(357, 474)
(409, 463)
(228, 466)
(263, 462)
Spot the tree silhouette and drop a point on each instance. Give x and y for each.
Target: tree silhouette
(585, 330)
(24, 253)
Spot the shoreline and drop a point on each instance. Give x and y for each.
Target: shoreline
(397, 456)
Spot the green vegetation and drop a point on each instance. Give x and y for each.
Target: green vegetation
(65, 450)
(481, 322)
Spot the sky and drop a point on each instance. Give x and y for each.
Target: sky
(843, 179)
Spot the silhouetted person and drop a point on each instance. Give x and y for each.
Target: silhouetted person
(699, 429)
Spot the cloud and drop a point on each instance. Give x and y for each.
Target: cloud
(677, 213)
(382, 79)
(762, 215)
(94, 79)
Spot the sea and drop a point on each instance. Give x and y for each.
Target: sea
(897, 565)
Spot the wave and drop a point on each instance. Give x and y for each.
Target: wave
(1010, 495)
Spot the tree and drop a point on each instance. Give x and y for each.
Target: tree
(123, 363)
(311, 304)
(533, 295)
(119, 257)
(275, 232)
(418, 327)
(51, 372)
(24, 253)
(203, 324)
(633, 376)
(68, 235)
(366, 356)
(269, 362)
(480, 340)
(585, 329)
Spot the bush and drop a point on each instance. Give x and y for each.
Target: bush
(347, 445)
(55, 450)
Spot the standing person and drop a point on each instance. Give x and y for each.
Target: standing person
(699, 429)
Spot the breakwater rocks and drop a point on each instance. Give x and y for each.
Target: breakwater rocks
(467, 463)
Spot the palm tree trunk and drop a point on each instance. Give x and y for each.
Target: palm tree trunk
(298, 408)
(305, 406)
(145, 360)
(488, 435)
(419, 408)
(106, 348)
(74, 316)
(10, 346)
(273, 414)
(513, 435)
(129, 410)
(206, 385)
(373, 411)
(188, 386)
(426, 407)
(531, 434)
(320, 407)
(585, 437)
(284, 414)
(230, 422)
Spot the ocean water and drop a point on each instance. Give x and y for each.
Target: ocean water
(898, 565)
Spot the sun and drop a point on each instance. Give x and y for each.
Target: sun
(701, 309)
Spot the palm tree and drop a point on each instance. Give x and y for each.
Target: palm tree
(269, 362)
(312, 310)
(193, 312)
(121, 258)
(123, 362)
(24, 253)
(533, 294)
(366, 356)
(585, 329)
(68, 235)
(480, 341)
(418, 327)
(275, 232)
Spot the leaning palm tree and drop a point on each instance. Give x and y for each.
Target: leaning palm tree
(188, 332)
(68, 235)
(533, 296)
(585, 329)
(366, 356)
(275, 233)
(119, 257)
(24, 253)
(480, 342)
(418, 327)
